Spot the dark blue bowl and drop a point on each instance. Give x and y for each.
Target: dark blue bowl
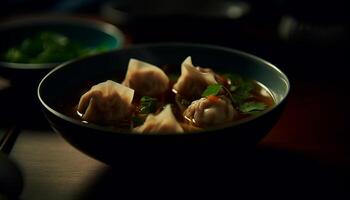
(88, 32)
(116, 147)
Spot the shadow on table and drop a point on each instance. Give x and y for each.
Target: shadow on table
(264, 172)
(20, 106)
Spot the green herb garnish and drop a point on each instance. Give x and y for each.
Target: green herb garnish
(241, 89)
(173, 77)
(243, 92)
(47, 47)
(252, 107)
(137, 121)
(212, 90)
(148, 105)
(235, 79)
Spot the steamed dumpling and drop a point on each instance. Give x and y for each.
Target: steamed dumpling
(145, 79)
(164, 122)
(106, 103)
(207, 111)
(193, 80)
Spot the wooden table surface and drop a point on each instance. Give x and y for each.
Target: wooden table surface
(51, 167)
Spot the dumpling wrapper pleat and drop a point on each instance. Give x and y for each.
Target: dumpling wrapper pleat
(164, 122)
(192, 82)
(146, 79)
(106, 103)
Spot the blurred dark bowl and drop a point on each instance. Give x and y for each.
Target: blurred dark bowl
(131, 150)
(173, 21)
(86, 31)
(123, 11)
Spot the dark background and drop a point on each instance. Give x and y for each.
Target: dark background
(305, 38)
(308, 40)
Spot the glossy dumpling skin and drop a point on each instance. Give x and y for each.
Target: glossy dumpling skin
(206, 112)
(145, 79)
(193, 80)
(164, 122)
(106, 103)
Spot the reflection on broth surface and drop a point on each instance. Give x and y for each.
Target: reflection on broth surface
(214, 98)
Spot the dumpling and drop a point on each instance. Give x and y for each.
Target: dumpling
(193, 80)
(145, 79)
(164, 122)
(210, 110)
(106, 103)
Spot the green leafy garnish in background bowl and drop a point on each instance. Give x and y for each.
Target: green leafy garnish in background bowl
(47, 47)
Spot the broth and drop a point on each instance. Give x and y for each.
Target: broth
(259, 93)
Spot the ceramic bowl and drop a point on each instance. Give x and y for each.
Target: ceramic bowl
(88, 32)
(125, 149)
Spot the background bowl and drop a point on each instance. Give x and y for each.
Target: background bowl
(88, 32)
(24, 78)
(125, 149)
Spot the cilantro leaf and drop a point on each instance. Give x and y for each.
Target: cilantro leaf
(147, 105)
(212, 90)
(251, 107)
(173, 77)
(235, 79)
(243, 92)
(137, 121)
(45, 47)
(240, 88)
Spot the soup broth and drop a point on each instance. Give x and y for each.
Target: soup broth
(248, 98)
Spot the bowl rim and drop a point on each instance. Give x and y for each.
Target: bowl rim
(116, 9)
(52, 19)
(169, 44)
